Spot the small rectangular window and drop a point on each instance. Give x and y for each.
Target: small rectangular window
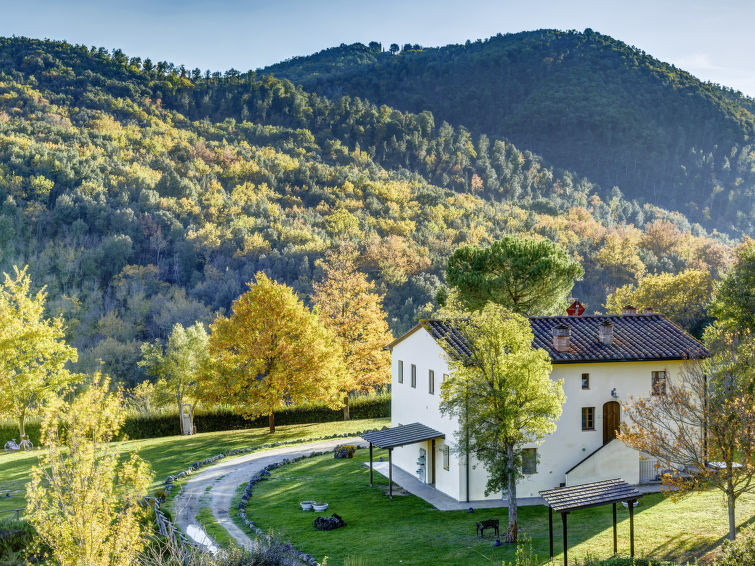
(658, 382)
(446, 458)
(588, 418)
(414, 375)
(445, 377)
(585, 381)
(400, 371)
(431, 382)
(529, 461)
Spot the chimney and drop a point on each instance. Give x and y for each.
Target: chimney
(561, 338)
(605, 332)
(628, 309)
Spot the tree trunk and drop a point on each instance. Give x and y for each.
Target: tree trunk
(513, 528)
(271, 421)
(732, 519)
(21, 427)
(346, 415)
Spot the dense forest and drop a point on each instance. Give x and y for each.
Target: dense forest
(584, 101)
(143, 194)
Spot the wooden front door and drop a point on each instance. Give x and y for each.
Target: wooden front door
(611, 420)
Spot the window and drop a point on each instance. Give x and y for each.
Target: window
(414, 375)
(445, 377)
(658, 382)
(446, 458)
(400, 371)
(431, 382)
(585, 381)
(588, 418)
(529, 461)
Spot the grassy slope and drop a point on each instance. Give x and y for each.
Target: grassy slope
(175, 453)
(409, 531)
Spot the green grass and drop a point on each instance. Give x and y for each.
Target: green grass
(406, 530)
(210, 526)
(172, 454)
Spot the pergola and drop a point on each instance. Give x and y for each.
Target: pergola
(390, 438)
(566, 499)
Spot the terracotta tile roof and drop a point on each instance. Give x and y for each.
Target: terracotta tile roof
(636, 337)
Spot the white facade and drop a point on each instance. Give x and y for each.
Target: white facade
(559, 453)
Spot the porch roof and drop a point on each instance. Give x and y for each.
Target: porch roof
(401, 435)
(565, 499)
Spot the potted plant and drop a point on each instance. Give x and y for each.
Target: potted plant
(320, 506)
(306, 505)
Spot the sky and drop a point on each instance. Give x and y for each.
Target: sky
(713, 39)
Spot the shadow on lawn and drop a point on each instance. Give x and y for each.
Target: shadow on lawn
(694, 547)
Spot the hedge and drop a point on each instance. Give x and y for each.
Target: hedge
(166, 423)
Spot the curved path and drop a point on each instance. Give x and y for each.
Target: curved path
(224, 478)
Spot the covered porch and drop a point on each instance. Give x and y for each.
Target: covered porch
(397, 436)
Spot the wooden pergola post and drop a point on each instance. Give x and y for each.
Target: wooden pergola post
(631, 527)
(390, 473)
(615, 546)
(550, 530)
(566, 544)
(370, 464)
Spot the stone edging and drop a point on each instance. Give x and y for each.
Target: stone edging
(168, 483)
(263, 474)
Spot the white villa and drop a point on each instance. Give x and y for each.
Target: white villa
(603, 360)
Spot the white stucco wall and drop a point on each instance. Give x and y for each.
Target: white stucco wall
(614, 460)
(559, 452)
(409, 405)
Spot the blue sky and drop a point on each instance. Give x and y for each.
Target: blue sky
(714, 40)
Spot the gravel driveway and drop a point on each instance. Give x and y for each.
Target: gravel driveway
(223, 479)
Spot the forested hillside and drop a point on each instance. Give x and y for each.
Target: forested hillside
(142, 194)
(584, 101)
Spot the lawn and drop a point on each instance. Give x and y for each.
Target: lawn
(406, 530)
(174, 453)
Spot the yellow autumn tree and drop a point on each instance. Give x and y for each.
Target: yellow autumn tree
(82, 499)
(683, 297)
(352, 309)
(33, 352)
(272, 351)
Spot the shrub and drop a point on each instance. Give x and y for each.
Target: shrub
(740, 552)
(344, 451)
(165, 423)
(17, 539)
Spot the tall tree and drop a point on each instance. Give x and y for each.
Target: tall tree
(178, 365)
(33, 352)
(527, 276)
(350, 307)
(735, 300)
(272, 351)
(82, 498)
(703, 423)
(503, 396)
(683, 297)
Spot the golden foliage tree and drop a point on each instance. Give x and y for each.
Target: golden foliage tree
(683, 297)
(704, 423)
(33, 353)
(272, 351)
(351, 308)
(82, 499)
